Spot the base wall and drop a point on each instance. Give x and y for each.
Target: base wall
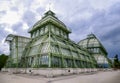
(49, 72)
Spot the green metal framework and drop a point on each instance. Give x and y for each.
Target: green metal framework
(50, 46)
(96, 48)
(17, 45)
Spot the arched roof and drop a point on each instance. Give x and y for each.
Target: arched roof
(10, 37)
(91, 42)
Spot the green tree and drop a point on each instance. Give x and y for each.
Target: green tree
(116, 63)
(3, 59)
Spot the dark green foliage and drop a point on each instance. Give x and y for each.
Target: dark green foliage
(116, 63)
(3, 59)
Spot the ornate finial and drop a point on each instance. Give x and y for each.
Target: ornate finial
(49, 6)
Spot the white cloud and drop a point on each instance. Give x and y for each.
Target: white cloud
(25, 26)
(4, 5)
(102, 4)
(9, 30)
(83, 16)
(38, 3)
(10, 18)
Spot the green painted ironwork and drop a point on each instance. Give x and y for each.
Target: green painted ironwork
(51, 42)
(51, 47)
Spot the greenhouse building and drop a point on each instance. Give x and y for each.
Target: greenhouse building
(16, 46)
(51, 47)
(97, 50)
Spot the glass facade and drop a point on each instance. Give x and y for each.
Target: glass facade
(50, 47)
(17, 46)
(53, 48)
(96, 48)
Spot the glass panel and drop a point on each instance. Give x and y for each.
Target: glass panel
(56, 62)
(44, 59)
(96, 50)
(34, 61)
(75, 54)
(52, 49)
(37, 32)
(62, 34)
(57, 31)
(84, 43)
(65, 51)
(82, 57)
(87, 58)
(84, 63)
(42, 30)
(100, 59)
(46, 29)
(38, 41)
(65, 35)
(45, 48)
(55, 49)
(78, 63)
(52, 39)
(52, 29)
(72, 47)
(34, 34)
(61, 42)
(30, 60)
(68, 62)
(34, 50)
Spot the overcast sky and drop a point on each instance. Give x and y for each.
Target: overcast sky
(101, 17)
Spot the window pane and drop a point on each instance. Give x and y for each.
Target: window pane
(65, 51)
(75, 54)
(44, 59)
(34, 50)
(56, 62)
(45, 48)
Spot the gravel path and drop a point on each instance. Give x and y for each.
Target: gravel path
(100, 77)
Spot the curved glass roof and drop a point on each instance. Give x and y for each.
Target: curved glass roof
(91, 42)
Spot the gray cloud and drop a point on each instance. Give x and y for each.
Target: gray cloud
(104, 23)
(2, 12)
(3, 33)
(18, 28)
(80, 16)
(29, 18)
(115, 8)
(14, 9)
(27, 3)
(40, 10)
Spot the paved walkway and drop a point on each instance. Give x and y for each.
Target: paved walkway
(100, 77)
